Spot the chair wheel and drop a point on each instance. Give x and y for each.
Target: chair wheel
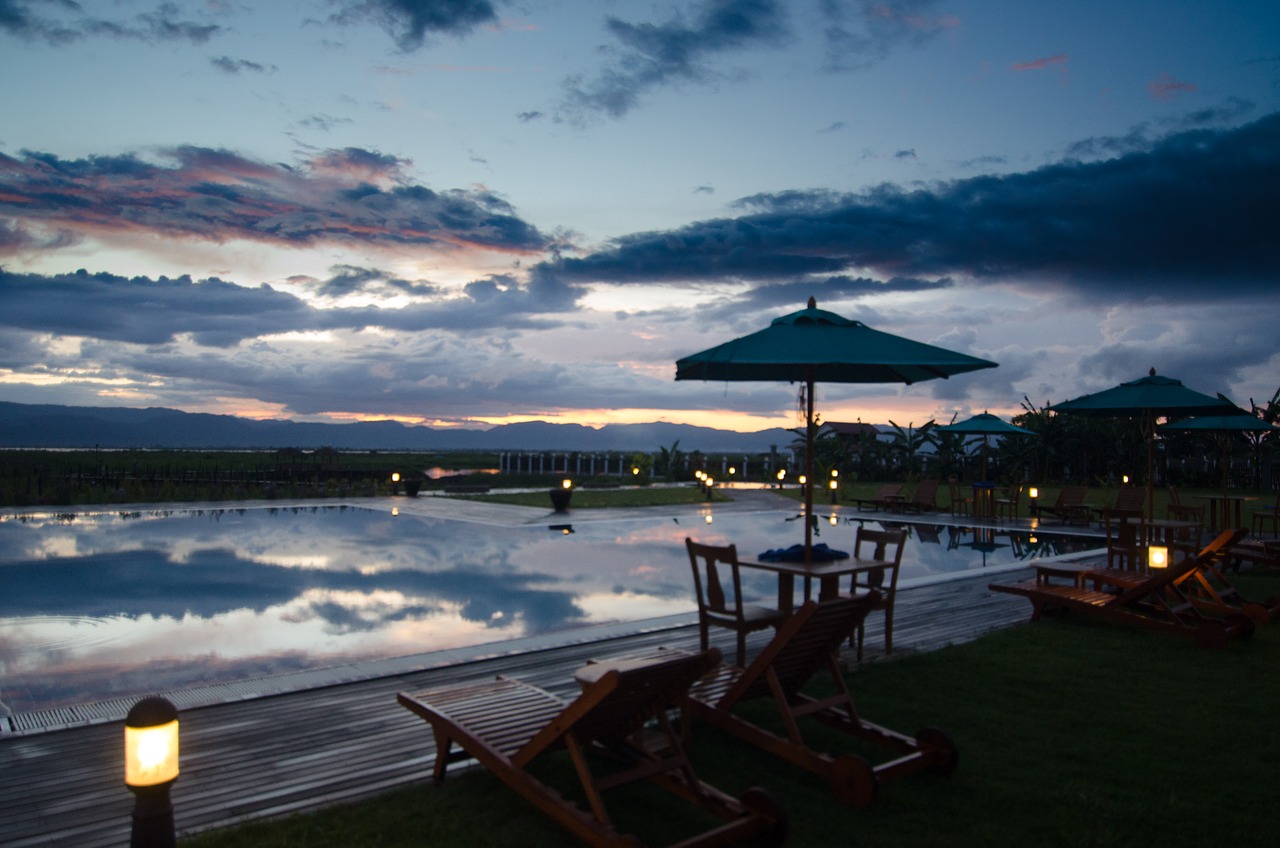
(853, 781)
(762, 802)
(943, 756)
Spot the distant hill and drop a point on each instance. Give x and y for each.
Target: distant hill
(50, 426)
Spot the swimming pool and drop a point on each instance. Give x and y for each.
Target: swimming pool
(106, 605)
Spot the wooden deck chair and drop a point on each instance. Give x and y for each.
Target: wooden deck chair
(925, 497)
(717, 583)
(1070, 505)
(885, 547)
(1267, 514)
(1209, 589)
(506, 725)
(807, 644)
(1125, 537)
(1009, 504)
(961, 504)
(1128, 499)
(1154, 600)
(1180, 511)
(890, 494)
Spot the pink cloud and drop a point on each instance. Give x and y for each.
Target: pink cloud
(1165, 87)
(1041, 64)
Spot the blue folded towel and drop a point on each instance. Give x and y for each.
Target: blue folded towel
(795, 553)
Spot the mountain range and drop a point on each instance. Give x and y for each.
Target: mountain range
(51, 426)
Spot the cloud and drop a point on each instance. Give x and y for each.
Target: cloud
(412, 22)
(1165, 87)
(236, 66)
(649, 56)
(860, 34)
(349, 196)
(1060, 61)
(62, 22)
(1194, 206)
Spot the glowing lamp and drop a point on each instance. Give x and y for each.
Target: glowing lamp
(1125, 478)
(834, 520)
(635, 469)
(1033, 493)
(566, 483)
(834, 485)
(150, 768)
(835, 472)
(395, 477)
(732, 470)
(709, 519)
(1158, 556)
(803, 479)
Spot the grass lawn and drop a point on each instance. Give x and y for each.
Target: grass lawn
(1070, 732)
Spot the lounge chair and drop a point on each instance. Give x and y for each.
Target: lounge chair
(1128, 499)
(924, 498)
(890, 495)
(1069, 506)
(808, 643)
(506, 725)
(1153, 600)
(1209, 589)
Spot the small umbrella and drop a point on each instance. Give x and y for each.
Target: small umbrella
(814, 345)
(985, 425)
(1224, 426)
(1147, 399)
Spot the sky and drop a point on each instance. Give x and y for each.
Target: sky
(463, 213)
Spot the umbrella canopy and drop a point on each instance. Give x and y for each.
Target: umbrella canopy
(985, 425)
(1223, 426)
(1147, 399)
(814, 345)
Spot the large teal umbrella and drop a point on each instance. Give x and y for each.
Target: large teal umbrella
(812, 346)
(1147, 399)
(1224, 426)
(985, 425)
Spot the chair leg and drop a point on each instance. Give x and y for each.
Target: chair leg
(742, 649)
(888, 630)
(704, 634)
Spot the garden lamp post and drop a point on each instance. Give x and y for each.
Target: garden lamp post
(150, 768)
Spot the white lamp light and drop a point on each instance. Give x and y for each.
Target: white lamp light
(150, 767)
(1158, 556)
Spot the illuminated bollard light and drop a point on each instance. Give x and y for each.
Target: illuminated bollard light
(150, 768)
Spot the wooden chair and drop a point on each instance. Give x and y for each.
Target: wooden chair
(886, 548)
(1009, 505)
(1070, 505)
(506, 725)
(1272, 514)
(1155, 600)
(890, 494)
(1125, 539)
(925, 497)
(960, 504)
(1180, 511)
(806, 645)
(719, 596)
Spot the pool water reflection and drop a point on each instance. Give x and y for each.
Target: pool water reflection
(103, 605)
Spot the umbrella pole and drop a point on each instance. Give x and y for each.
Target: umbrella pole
(808, 471)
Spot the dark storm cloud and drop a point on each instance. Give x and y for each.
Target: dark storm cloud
(63, 21)
(1194, 207)
(861, 33)
(412, 22)
(648, 56)
(339, 196)
(215, 313)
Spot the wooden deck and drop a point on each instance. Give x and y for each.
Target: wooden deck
(301, 751)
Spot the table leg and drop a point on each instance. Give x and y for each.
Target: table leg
(786, 592)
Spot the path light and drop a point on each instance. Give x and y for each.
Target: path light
(1157, 556)
(150, 768)
(833, 485)
(395, 482)
(709, 519)
(1033, 493)
(1125, 479)
(566, 483)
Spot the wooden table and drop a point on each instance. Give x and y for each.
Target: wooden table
(984, 500)
(1224, 511)
(828, 575)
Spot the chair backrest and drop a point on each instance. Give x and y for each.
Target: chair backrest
(926, 492)
(802, 646)
(881, 541)
(1014, 493)
(715, 590)
(1129, 499)
(1175, 498)
(619, 703)
(1069, 496)
(1123, 529)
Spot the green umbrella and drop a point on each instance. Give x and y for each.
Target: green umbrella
(1147, 399)
(985, 425)
(814, 345)
(1223, 426)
